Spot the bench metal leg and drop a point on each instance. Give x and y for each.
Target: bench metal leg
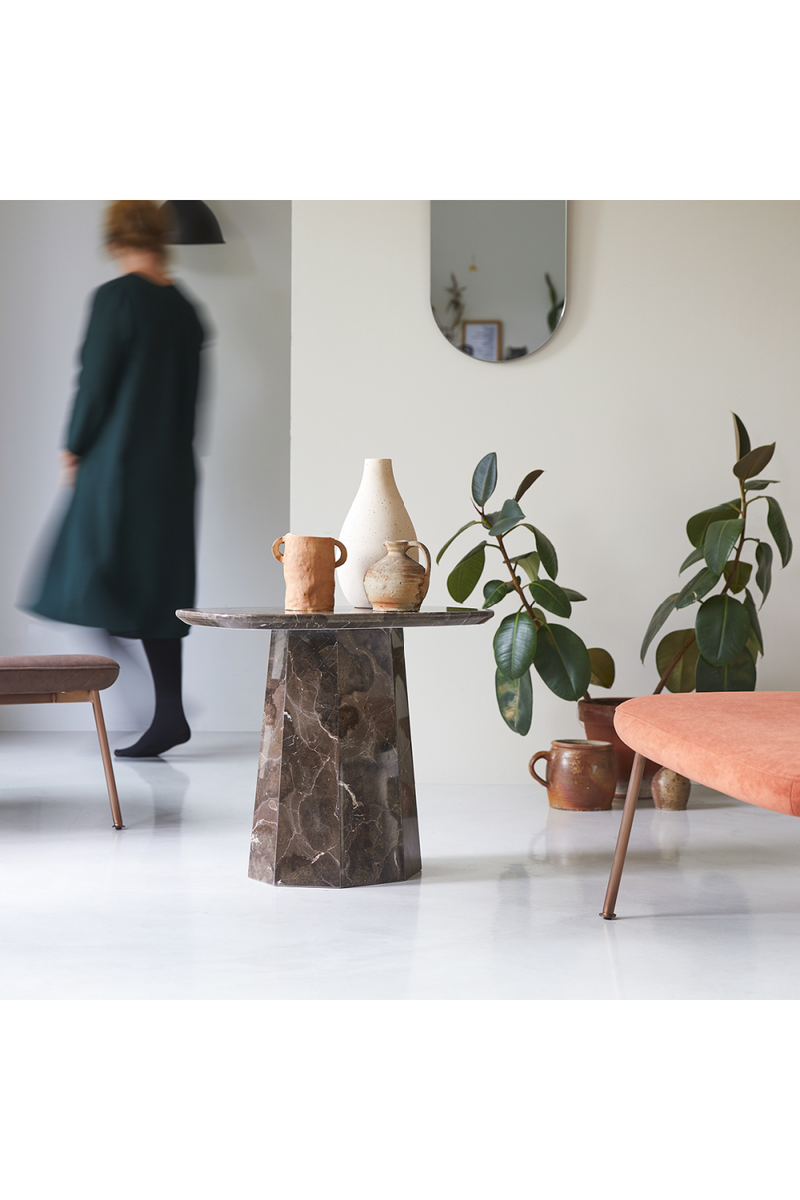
(631, 799)
(107, 764)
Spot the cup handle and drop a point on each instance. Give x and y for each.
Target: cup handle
(343, 557)
(531, 768)
(275, 551)
(426, 552)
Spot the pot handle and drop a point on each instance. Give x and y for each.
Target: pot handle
(275, 551)
(343, 557)
(536, 757)
(426, 552)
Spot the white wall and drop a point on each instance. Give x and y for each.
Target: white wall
(51, 260)
(678, 313)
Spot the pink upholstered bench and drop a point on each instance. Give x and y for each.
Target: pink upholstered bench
(744, 744)
(64, 678)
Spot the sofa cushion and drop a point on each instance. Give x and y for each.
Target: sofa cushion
(35, 674)
(744, 744)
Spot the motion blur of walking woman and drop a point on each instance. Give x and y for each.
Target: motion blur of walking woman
(124, 558)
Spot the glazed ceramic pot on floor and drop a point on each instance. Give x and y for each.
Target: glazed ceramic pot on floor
(597, 718)
(670, 790)
(308, 567)
(377, 514)
(396, 583)
(581, 774)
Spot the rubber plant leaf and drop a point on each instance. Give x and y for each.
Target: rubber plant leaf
(752, 613)
(546, 551)
(551, 596)
(529, 479)
(453, 538)
(758, 485)
(722, 628)
(681, 678)
(484, 479)
(721, 537)
(515, 645)
(739, 675)
(697, 525)
(495, 590)
(603, 669)
(695, 556)
(507, 519)
(742, 437)
(764, 572)
(737, 576)
(464, 576)
(515, 701)
(657, 620)
(563, 662)
(754, 462)
(697, 587)
(777, 527)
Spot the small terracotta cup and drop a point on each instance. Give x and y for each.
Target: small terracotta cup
(581, 775)
(308, 567)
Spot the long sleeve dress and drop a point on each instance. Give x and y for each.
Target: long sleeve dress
(124, 558)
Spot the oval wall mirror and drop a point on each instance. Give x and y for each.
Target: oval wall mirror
(498, 274)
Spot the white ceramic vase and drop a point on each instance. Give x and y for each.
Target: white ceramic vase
(376, 515)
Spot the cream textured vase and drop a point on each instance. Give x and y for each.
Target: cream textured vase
(376, 515)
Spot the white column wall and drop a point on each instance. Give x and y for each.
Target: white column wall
(51, 260)
(678, 313)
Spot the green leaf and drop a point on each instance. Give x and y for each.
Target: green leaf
(777, 527)
(657, 620)
(509, 516)
(722, 627)
(755, 624)
(546, 551)
(529, 564)
(681, 678)
(484, 479)
(603, 669)
(697, 587)
(495, 590)
(742, 437)
(515, 701)
(465, 574)
(526, 483)
(750, 464)
(737, 576)
(697, 525)
(764, 572)
(563, 662)
(721, 537)
(453, 538)
(695, 556)
(572, 595)
(551, 597)
(758, 485)
(515, 645)
(739, 675)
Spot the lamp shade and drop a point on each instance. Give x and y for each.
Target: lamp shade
(194, 224)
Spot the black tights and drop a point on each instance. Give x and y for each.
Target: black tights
(169, 726)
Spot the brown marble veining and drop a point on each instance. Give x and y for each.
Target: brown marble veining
(335, 799)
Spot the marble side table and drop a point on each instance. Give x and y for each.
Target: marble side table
(335, 799)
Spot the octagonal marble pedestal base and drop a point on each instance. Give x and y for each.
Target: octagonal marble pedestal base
(335, 799)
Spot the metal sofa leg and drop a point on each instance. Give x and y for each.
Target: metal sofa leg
(107, 764)
(629, 809)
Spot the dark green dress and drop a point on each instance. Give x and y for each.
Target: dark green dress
(124, 558)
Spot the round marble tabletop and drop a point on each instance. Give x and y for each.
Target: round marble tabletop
(340, 618)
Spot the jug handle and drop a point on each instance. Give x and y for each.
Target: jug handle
(275, 551)
(426, 552)
(532, 769)
(343, 559)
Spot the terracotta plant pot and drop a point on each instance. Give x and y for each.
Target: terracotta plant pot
(580, 774)
(597, 718)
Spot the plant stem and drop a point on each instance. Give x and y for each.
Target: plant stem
(515, 581)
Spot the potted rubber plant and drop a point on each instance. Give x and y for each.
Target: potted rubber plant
(720, 650)
(528, 637)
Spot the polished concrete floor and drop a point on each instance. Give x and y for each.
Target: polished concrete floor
(506, 907)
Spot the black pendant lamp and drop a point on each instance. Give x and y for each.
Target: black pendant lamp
(194, 224)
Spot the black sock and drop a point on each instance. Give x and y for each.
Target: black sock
(169, 726)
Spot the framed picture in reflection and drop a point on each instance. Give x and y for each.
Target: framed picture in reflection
(482, 339)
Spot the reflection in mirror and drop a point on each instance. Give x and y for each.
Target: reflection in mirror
(498, 274)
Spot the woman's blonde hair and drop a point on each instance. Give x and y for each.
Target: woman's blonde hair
(139, 224)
